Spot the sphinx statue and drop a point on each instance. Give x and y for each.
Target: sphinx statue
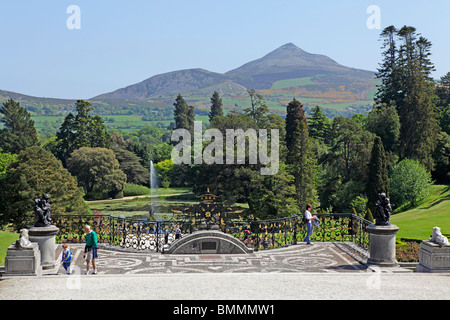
(438, 238)
(24, 241)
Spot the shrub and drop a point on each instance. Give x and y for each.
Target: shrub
(132, 189)
(97, 171)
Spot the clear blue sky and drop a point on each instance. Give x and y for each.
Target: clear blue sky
(124, 42)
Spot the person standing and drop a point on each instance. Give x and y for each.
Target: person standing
(308, 218)
(177, 233)
(90, 250)
(66, 258)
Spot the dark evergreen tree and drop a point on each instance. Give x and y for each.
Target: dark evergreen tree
(216, 106)
(130, 164)
(378, 179)
(300, 155)
(389, 73)
(183, 114)
(82, 130)
(406, 80)
(294, 115)
(443, 106)
(441, 172)
(444, 119)
(350, 151)
(384, 121)
(319, 125)
(19, 132)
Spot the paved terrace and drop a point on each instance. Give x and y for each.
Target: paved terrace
(322, 271)
(320, 258)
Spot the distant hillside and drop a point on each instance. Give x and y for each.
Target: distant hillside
(177, 81)
(29, 100)
(279, 76)
(290, 62)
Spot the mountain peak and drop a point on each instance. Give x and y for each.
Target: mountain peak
(286, 50)
(286, 62)
(289, 46)
(286, 59)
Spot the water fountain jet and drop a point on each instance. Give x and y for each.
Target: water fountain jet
(154, 184)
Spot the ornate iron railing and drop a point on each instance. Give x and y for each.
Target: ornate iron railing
(256, 234)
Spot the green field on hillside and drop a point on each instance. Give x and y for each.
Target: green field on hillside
(290, 83)
(434, 211)
(124, 122)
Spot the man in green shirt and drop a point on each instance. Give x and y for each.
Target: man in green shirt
(90, 250)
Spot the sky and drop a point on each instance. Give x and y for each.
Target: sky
(119, 43)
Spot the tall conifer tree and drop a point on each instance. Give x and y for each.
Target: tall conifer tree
(300, 158)
(406, 81)
(319, 125)
(183, 114)
(216, 106)
(378, 180)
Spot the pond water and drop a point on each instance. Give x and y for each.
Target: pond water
(139, 209)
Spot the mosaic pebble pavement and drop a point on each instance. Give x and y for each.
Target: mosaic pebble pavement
(319, 258)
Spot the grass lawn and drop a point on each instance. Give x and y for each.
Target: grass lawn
(434, 211)
(6, 239)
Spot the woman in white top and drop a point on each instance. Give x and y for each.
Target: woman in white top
(309, 225)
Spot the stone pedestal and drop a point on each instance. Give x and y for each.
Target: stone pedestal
(45, 237)
(382, 245)
(433, 258)
(23, 261)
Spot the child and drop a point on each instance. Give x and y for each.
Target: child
(66, 258)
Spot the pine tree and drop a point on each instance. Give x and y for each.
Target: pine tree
(258, 108)
(216, 106)
(388, 71)
(443, 107)
(384, 121)
(183, 114)
(19, 132)
(378, 180)
(406, 80)
(319, 125)
(82, 130)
